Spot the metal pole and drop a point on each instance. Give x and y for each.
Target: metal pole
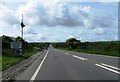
(22, 25)
(22, 33)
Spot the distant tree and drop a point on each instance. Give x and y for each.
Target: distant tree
(7, 38)
(19, 39)
(73, 42)
(24, 43)
(6, 41)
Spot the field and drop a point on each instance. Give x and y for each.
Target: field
(109, 48)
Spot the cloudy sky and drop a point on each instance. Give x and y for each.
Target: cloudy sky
(56, 21)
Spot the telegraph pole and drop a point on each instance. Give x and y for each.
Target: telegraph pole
(22, 25)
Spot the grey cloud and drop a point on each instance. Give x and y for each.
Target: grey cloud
(40, 16)
(70, 22)
(102, 22)
(30, 31)
(66, 18)
(10, 19)
(102, 33)
(44, 38)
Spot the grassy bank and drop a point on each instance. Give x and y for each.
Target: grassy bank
(111, 53)
(0, 62)
(8, 61)
(9, 58)
(109, 48)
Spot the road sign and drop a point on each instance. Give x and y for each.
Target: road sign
(16, 45)
(18, 51)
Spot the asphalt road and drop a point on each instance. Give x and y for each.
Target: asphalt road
(68, 65)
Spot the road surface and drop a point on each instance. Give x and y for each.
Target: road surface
(68, 65)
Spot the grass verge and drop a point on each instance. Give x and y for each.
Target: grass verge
(94, 51)
(8, 61)
(0, 62)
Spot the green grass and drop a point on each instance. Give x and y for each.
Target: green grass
(94, 51)
(8, 61)
(108, 53)
(109, 48)
(0, 62)
(9, 58)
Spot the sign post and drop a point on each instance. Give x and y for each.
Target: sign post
(17, 47)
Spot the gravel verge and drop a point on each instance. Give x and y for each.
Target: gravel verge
(19, 68)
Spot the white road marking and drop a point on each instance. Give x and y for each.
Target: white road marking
(79, 57)
(36, 72)
(108, 68)
(67, 53)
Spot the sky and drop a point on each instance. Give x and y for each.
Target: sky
(56, 20)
